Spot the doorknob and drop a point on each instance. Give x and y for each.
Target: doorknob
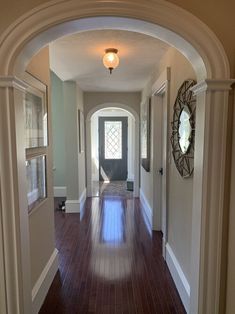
(160, 171)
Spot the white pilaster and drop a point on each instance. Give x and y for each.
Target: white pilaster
(208, 195)
(13, 210)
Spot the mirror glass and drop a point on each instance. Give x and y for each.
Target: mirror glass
(185, 129)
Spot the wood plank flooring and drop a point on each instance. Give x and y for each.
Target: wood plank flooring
(110, 263)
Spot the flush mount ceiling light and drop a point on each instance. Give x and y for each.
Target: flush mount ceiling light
(110, 59)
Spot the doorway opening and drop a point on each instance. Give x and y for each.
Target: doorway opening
(112, 152)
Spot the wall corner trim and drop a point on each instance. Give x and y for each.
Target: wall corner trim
(44, 281)
(60, 191)
(148, 211)
(178, 276)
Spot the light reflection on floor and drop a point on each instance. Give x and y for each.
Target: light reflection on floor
(112, 226)
(112, 245)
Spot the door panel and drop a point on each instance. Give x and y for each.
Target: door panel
(112, 148)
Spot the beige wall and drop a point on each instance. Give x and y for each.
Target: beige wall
(93, 99)
(41, 221)
(180, 190)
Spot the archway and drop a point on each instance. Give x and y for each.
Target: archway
(128, 109)
(190, 36)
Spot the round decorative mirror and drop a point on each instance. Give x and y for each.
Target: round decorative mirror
(183, 129)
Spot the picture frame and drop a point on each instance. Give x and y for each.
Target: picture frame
(81, 133)
(35, 114)
(145, 134)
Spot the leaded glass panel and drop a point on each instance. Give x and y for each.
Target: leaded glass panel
(113, 139)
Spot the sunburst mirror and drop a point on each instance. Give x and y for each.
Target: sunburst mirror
(183, 129)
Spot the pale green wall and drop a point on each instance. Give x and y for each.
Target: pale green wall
(69, 164)
(58, 130)
(71, 139)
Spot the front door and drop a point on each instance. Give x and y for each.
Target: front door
(112, 148)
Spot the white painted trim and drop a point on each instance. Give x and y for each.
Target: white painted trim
(12, 81)
(159, 86)
(60, 191)
(82, 199)
(212, 85)
(160, 183)
(75, 206)
(44, 282)
(179, 277)
(72, 206)
(147, 208)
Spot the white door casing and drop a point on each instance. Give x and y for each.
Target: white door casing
(161, 97)
(202, 48)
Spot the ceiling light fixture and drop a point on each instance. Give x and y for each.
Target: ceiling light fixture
(110, 59)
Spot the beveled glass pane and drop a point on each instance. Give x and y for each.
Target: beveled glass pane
(36, 180)
(113, 139)
(185, 130)
(35, 121)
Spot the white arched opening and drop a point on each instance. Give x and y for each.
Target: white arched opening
(89, 141)
(201, 47)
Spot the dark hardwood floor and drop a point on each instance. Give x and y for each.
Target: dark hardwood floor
(109, 263)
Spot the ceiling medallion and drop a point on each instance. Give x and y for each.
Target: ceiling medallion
(183, 129)
(111, 59)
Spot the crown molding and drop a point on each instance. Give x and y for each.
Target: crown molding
(13, 81)
(212, 85)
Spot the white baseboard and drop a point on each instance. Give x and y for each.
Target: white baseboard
(76, 206)
(60, 191)
(43, 283)
(72, 206)
(147, 208)
(82, 199)
(178, 276)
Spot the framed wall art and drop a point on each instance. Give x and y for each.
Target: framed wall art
(145, 134)
(81, 133)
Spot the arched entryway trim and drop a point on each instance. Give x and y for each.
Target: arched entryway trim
(89, 139)
(193, 39)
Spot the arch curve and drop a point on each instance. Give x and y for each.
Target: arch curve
(135, 115)
(164, 20)
(112, 105)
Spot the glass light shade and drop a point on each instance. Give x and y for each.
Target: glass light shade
(110, 59)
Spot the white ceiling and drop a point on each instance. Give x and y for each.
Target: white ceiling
(78, 57)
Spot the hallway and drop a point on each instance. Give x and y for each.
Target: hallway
(109, 263)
